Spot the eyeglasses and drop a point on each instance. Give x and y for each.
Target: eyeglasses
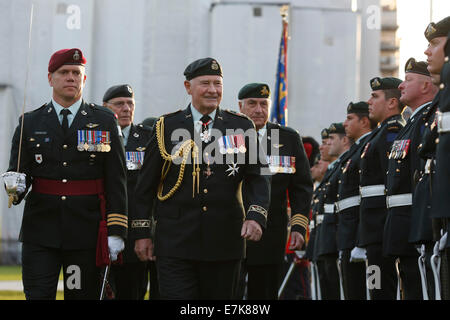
(121, 104)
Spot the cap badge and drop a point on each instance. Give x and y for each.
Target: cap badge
(264, 91)
(214, 65)
(76, 56)
(409, 66)
(376, 83)
(430, 29)
(129, 89)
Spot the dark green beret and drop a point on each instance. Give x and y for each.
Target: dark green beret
(378, 83)
(439, 29)
(447, 47)
(203, 67)
(413, 66)
(254, 90)
(122, 90)
(337, 127)
(324, 133)
(359, 107)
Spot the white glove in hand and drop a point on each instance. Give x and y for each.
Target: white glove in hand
(436, 248)
(15, 179)
(358, 255)
(443, 242)
(115, 245)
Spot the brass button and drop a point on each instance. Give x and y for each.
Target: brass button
(441, 86)
(437, 140)
(38, 145)
(92, 155)
(65, 164)
(63, 198)
(397, 170)
(446, 59)
(65, 146)
(205, 209)
(205, 190)
(64, 180)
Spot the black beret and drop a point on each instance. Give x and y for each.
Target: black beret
(325, 134)
(254, 90)
(447, 47)
(122, 90)
(413, 66)
(439, 29)
(359, 107)
(203, 67)
(378, 83)
(337, 128)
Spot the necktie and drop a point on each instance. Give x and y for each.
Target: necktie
(65, 121)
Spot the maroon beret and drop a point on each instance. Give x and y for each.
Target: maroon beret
(66, 56)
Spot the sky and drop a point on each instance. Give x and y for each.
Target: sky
(413, 17)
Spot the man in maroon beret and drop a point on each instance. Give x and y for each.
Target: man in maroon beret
(75, 215)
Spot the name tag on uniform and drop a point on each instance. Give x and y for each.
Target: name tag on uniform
(94, 141)
(399, 149)
(134, 159)
(281, 164)
(232, 144)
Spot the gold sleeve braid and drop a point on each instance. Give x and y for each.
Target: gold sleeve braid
(301, 220)
(187, 147)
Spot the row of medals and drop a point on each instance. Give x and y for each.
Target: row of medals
(94, 147)
(241, 149)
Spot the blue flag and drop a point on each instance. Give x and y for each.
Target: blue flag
(279, 113)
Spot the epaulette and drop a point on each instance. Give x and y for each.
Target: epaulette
(101, 108)
(144, 127)
(170, 114)
(237, 114)
(396, 124)
(288, 129)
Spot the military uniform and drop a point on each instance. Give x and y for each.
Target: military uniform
(347, 211)
(291, 175)
(54, 220)
(326, 246)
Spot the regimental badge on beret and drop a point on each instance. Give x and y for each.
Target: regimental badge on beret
(214, 65)
(325, 133)
(121, 90)
(202, 67)
(337, 127)
(129, 89)
(254, 90)
(76, 56)
(413, 66)
(375, 83)
(439, 29)
(430, 30)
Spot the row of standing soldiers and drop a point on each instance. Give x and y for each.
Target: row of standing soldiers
(380, 207)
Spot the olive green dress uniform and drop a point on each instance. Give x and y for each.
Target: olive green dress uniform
(373, 211)
(69, 224)
(264, 258)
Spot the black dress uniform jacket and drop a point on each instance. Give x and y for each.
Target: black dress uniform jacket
(271, 248)
(400, 180)
(206, 227)
(70, 222)
(309, 251)
(326, 238)
(348, 219)
(441, 200)
(138, 138)
(374, 162)
(421, 226)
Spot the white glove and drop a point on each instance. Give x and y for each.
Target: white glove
(443, 242)
(115, 245)
(358, 255)
(436, 248)
(15, 179)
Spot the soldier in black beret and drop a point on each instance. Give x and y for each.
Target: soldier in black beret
(351, 256)
(437, 56)
(384, 108)
(75, 215)
(324, 147)
(290, 173)
(417, 91)
(201, 225)
(325, 241)
(130, 279)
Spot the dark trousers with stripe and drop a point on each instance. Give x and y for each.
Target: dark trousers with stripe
(388, 282)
